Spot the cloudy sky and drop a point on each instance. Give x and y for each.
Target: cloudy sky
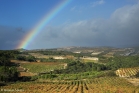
(80, 23)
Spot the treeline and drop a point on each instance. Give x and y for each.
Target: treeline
(8, 53)
(51, 52)
(26, 58)
(112, 64)
(122, 62)
(77, 67)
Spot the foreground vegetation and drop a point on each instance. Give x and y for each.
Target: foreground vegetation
(97, 85)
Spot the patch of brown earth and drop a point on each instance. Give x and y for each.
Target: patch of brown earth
(26, 74)
(134, 81)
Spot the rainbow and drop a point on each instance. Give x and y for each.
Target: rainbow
(29, 37)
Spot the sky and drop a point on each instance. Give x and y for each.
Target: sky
(88, 23)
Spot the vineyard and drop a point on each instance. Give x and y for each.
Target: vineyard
(97, 85)
(27, 75)
(127, 72)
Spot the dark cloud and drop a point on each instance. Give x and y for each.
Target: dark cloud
(121, 29)
(20, 29)
(9, 37)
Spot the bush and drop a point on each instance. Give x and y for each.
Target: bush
(31, 59)
(2, 84)
(24, 58)
(8, 73)
(137, 75)
(110, 73)
(25, 78)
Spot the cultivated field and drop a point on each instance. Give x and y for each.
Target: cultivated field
(127, 72)
(59, 75)
(33, 68)
(98, 85)
(41, 67)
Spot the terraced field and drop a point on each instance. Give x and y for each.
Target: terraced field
(127, 72)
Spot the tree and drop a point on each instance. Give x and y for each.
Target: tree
(4, 61)
(8, 74)
(23, 58)
(31, 59)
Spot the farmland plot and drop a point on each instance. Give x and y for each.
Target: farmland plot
(41, 67)
(98, 85)
(127, 72)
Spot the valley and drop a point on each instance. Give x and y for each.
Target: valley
(71, 70)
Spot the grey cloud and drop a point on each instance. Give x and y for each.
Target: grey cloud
(9, 37)
(124, 25)
(121, 29)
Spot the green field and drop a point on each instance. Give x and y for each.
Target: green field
(42, 67)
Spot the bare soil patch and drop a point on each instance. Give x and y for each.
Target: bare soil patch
(134, 81)
(19, 61)
(27, 74)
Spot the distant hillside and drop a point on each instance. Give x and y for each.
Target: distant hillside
(107, 51)
(21, 49)
(84, 49)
